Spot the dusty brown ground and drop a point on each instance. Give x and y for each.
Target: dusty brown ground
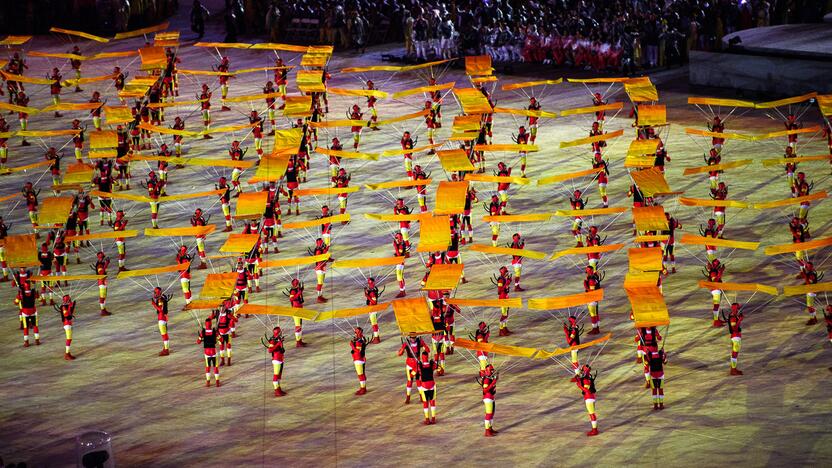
(159, 412)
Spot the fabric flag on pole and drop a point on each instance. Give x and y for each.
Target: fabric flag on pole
(651, 182)
(450, 197)
(310, 81)
(444, 276)
(591, 139)
(798, 246)
(404, 183)
(219, 285)
(54, 211)
(271, 169)
(239, 243)
(352, 312)
(650, 218)
(283, 311)
(711, 202)
(413, 316)
(368, 262)
(478, 65)
(587, 250)
(565, 302)
(21, 250)
(690, 239)
(455, 160)
(293, 262)
(654, 115)
(434, 233)
(473, 101)
(153, 271)
(646, 259)
(251, 204)
(752, 287)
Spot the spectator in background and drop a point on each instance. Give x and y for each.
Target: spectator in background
(273, 22)
(358, 32)
(198, 15)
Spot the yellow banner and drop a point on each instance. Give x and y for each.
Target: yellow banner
(404, 117)
(651, 182)
(487, 249)
(719, 242)
(55, 210)
(340, 218)
(825, 104)
(564, 177)
(103, 235)
(592, 211)
(514, 302)
(455, 160)
(353, 312)
(418, 149)
(180, 231)
(525, 112)
(434, 233)
(529, 84)
(389, 217)
(650, 218)
(68, 278)
(717, 167)
(251, 97)
(142, 32)
(472, 101)
(791, 201)
(587, 250)
(26, 79)
(705, 133)
(645, 259)
(412, 316)
(153, 271)
(21, 250)
(753, 287)
(251, 204)
(239, 243)
(518, 218)
(641, 91)
(592, 139)
(654, 115)
(423, 89)
(543, 354)
(510, 148)
(15, 40)
(710, 202)
(565, 302)
(293, 262)
(591, 110)
(219, 285)
(798, 246)
(807, 288)
(405, 183)
(706, 101)
(271, 169)
(785, 102)
(451, 197)
(326, 191)
(79, 34)
(358, 92)
(478, 65)
(368, 262)
(310, 81)
(283, 311)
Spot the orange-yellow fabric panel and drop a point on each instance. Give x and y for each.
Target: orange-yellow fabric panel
(565, 302)
(314, 60)
(472, 101)
(103, 139)
(488, 249)
(640, 162)
(450, 197)
(251, 204)
(251, 97)
(167, 130)
(288, 137)
(798, 247)
(68, 278)
(497, 179)
(641, 91)
(16, 108)
(454, 160)
(514, 351)
(153, 271)
(142, 32)
(271, 168)
(637, 280)
(518, 218)
(515, 302)
(443, 276)
(181, 231)
(783, 133)
(786, 101)
(152, 57)
(402, 118)
(224, 45)
(706, 101)
(103, 235)
(642, 147)
(649, 308)
(423, 89)
(239, 243)
(310, 81)
(218, 285)
(338, 123)
(590, 110)
(352, 312)
(26, 79)
(391, 217)
(70, 32)
(467, 123)
(483, 79)
(529, 84)
(283, 311)
(15, 40)
(569, 176)
(587, 250)
(650, 218)
(85, 80)
(799, 159)
(591, 139)
(725, 135)
(753, 287)
(717, 167)
(204, 304)
(78, 173)
(117, 114)
(404, 183)
(652, 114)
(476, 65)
(473, 345)
(298, 106)
(791, 201)
(434, 233)
(188, 196)
(326, 191)
(651, 238)
(391, 68)
(711, 202)
(645, 259)
(339, 218)
(825, 104)
(367, 262)
(358, 92)
(296, 261)
(650, 181)
(10, 170)
(412, 316)
(597, 80)
(807, 288)
(525, 112)
(54, 210)
(112, 55)
(543, 354)
(418, 149)
(21, 250)
(699, 240)
(510, 148)
(47, 133)
(72, 106)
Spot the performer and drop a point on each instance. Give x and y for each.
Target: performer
(714, 271)
(412, 345)
(713, 159)
(503, 283)
(421, 190)
(656, 359)
(320, 267)
(573, 334)
(4, 148)
(790, 169)
(23, 101)
(197, 220)
(668, 257)
(242, 282)
(431, 124)
(296, 300)
(270, 92)
(205, 104)
(802, 189)
(182, 258)
(67, 312)
(717, 127)
(494, 209)
(470, 199)
(223, 68)
(355, 114)
(371, 104)
(26, 297)
(534, 106)
(208, 337)
(712, 231)
(358, 349)
(517, 243)
(593, 240)
(427, 386)
(800, 232)
(226, 327)
(160, 303)
(55, 89)
(342, 181)
(481, 335)
(281, 73)
(437, 338)
(720, 193)
(810, 277)
(600, 163)
(275, 347)
(792, 124)
(119, 225)
(734, 321)
(592, 283)
(586, 382)
(522, 138)
(225, 201)
(489, 392)
(404, 226)
(371, 294)
(46, 258)
(661, 156)
(400, 249)
(257, 131)
(577, 203)
(59, 251)
(408, 144)
(502, 187)
(236, 154)
(30, 196)
(100, 266)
